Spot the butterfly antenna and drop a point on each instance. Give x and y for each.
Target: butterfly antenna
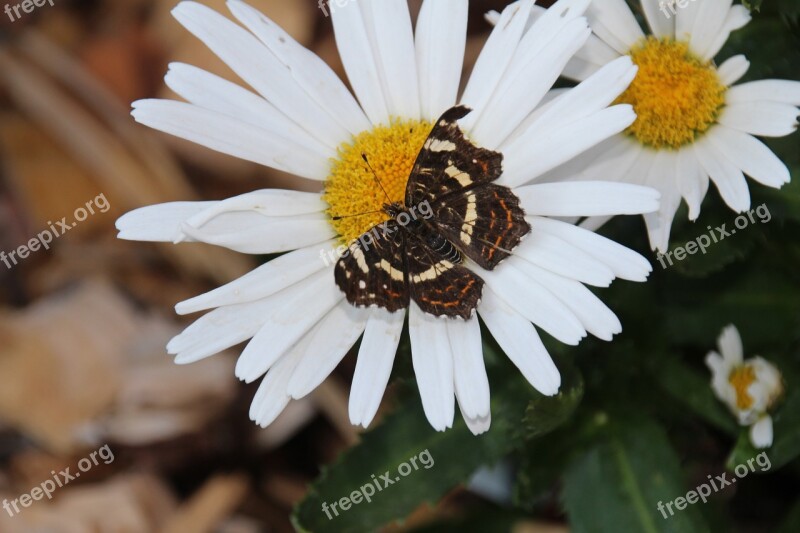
(375, 175)
(358, 215)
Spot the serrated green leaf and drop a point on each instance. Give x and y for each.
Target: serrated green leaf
(618, 483)
(546, 413)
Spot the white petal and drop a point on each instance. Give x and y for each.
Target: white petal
(729, 180)
(388, 25)
(374, 364)
(556, 255)
(271, 398)
(781, 91)
(597, 52)
(578, 69)
(730, 345)
(262, 282)
(737, 18)
(663, 177)
(593, 314)
(478, 425)
(614, 23)
(256, 65)
(296, 311)
(767, 374)
(595, 223)
(720, 371)
(525, 83)
(692, 180)
(231, 136)
(590, 198)
(732, 71)
(432, 358)
(494, 58)
(440, 43)
(548, 33)
(611, 160)
(589, 97)
(531, 156)
(766, 119)
(158, 223)
(220, 329)
(359, 60)
(761, 432)
(715, 363)
(519, 341)
(708, 24)
(332, 337)
(531, 299)
(311, 73)
(253, 233)
(214, 93)
(267, 202)
(749, 154)
(471, 381)
(685, 18)
(661, 24)
(623, 262)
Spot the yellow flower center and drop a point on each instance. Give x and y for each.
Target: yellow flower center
(352, 189)
(676, 95)
(741, 378)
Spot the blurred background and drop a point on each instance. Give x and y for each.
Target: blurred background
(84, 323)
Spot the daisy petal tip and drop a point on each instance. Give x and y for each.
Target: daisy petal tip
(182, 359)
(492, 17)
(479, 425)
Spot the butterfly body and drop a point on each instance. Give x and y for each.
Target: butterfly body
(452, 210)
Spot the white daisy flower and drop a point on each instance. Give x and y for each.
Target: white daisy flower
(303, 120)
(748, 387)
(692, 122)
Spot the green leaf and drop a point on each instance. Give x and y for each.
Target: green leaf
(762, 303)
(546, 413)
(769, 44)
(694, 391)
(404, 434)
(618, 484)
(752, 5)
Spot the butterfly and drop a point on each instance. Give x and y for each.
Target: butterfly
(452, 210)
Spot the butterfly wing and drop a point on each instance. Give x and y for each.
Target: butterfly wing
(448, 162)
(486, 222)
(438, 286)
(373, 271)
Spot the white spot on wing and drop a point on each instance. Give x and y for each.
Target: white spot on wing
(437, 145)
